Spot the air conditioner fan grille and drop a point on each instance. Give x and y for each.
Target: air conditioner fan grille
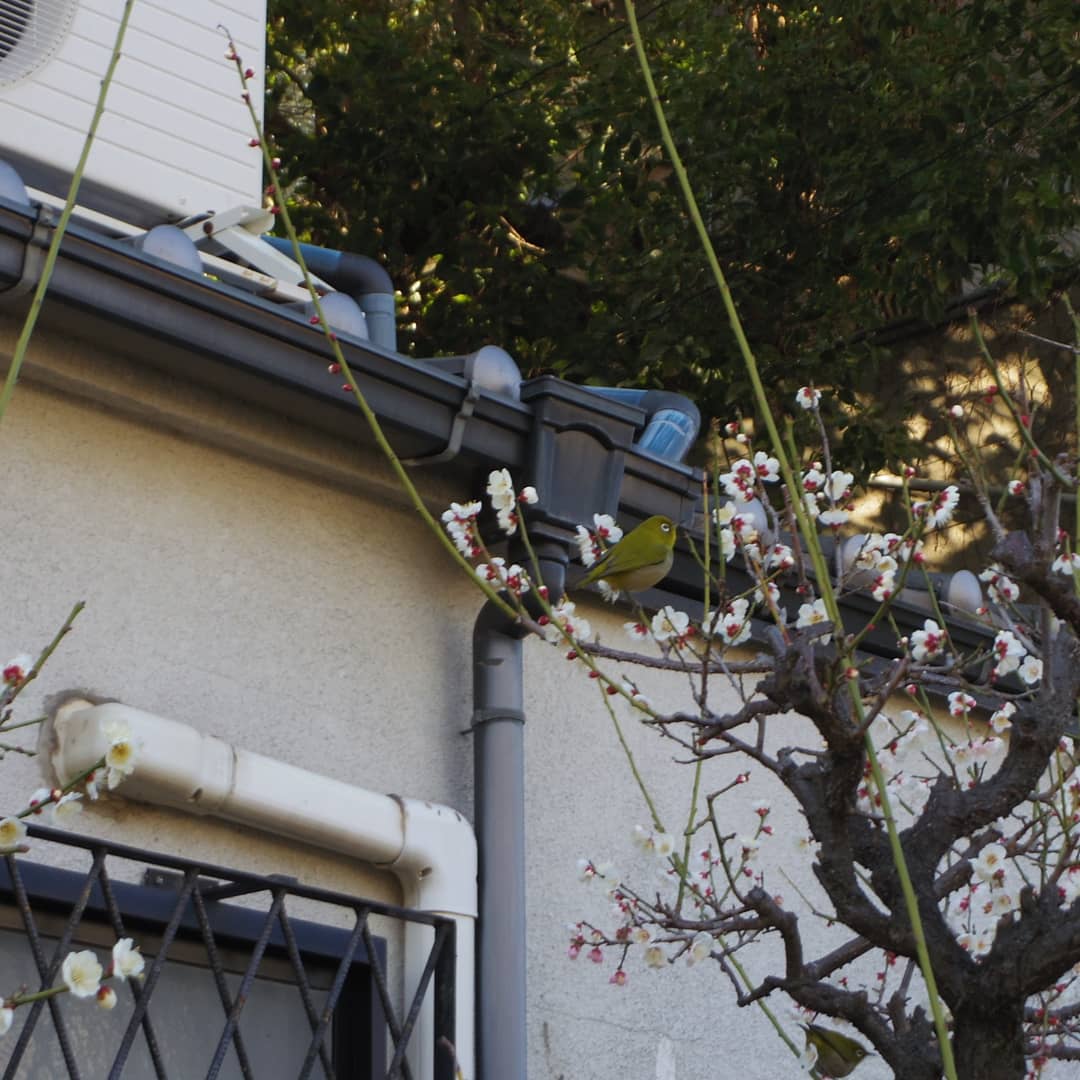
(30, 33)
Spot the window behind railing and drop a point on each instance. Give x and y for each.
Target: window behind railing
(235, 984)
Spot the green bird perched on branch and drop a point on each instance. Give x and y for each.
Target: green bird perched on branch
(837, 1055)
(639, 560)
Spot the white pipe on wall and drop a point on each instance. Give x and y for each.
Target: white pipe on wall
(431, 849)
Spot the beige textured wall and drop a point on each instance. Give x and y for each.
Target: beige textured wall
(275, 594)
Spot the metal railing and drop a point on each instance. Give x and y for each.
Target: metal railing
(180, 915)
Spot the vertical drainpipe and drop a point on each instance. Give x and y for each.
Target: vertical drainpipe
(498, 729)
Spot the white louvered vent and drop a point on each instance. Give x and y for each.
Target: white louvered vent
(174, 138)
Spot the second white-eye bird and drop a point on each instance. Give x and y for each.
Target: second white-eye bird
(837, 1055)
(639, 560)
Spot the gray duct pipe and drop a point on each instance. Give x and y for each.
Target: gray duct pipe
(672, 421)
(359, 276)
(498, 729)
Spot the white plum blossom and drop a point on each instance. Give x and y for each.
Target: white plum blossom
(840, 485)
(1030, 670)
(1066, 563)
(655, 957)
(106, 998)
(779, 557)
(16, 669)
(735, 622)
(928, 643)
(588, 549)
(500, 488)
(636, 631)
(884, 586)
(507, 520)
(81, 973)
(750, 846)
(1002, 589)
(7, 1018)
(813, 480)
(1016, 487)
(1069, 885)
(656, 842)
(977, 944)
(767, 468)
(813, 614)
(990, 863)
(529, 496)
(606, 528)
(1001, 720)
(806, 397)
(939, 510)
(1008, 652)
(728, 544)
(565, 618)
(460, 522)
(669, 624)
(67, 807)
(12, 834)
(121, 755)
(769, 595)
(960, 703)
(127, 961)
(700, 948)
(833, 518)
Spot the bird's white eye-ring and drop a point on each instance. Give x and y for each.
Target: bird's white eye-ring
(666, 527)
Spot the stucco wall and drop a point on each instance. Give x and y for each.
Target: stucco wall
(253, 581)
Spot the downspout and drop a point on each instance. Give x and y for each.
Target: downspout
(498, 728)
(361, 277)
(431, 849)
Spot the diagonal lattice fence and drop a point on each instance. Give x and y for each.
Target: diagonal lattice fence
(236, 984)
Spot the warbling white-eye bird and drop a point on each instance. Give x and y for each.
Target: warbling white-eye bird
(639, 560)
(837, 1055)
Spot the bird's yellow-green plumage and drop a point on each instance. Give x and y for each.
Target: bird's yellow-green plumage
(639, 560)
(837, 1055)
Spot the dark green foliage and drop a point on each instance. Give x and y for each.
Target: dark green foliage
(855, 160)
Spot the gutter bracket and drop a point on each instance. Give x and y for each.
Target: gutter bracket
(486, 716)
(34, 254)
(457, 431)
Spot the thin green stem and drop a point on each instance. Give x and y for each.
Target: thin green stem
(653, 812)
(806, 526)
(1076, 393)
(1023, 425)
(30, 322)
(366, 410)
(43, 657)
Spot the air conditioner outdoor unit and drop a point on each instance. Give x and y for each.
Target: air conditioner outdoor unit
(174, 138)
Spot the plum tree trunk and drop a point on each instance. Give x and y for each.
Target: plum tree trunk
(988, 1040)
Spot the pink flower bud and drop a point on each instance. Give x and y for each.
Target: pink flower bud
(249, 73)
(253, 142)
(334, 368)
(596, 954)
